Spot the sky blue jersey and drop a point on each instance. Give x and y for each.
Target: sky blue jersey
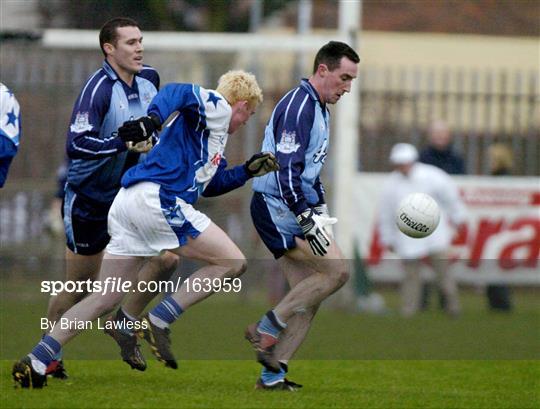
(188, 160)
(98, 158)
(298, 134)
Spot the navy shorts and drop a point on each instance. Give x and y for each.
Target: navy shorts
(85, 223)
(275, 223)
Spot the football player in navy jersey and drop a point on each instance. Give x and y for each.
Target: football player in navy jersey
(290, 213)
(119, 91)
(154, 210)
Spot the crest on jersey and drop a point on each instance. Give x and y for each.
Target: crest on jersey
(287, 143)
(81, 123)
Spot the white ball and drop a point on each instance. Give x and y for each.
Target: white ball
(418, 215)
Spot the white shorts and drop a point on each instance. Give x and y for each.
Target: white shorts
(144, 221)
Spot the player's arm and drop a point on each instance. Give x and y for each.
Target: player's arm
(319, 188)
(226, 180)
(140, 135)
(84, 141)
(171, 98)
(292, 133)
(321, 207)
(191, 101)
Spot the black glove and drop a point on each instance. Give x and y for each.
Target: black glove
(139, 129)
(312, 225)
(261, 163)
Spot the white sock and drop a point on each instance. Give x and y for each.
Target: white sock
(158, 322)
(37, 365)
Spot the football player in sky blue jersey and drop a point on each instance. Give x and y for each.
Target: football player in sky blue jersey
(10, 130)
(119, 91)
(154, 209)
(290, 213)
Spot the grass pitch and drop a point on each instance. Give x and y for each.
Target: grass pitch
(328, 384)
(481, 360)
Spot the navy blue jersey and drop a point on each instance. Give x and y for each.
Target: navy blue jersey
(188, 160)
(98, 158)
(298, 134)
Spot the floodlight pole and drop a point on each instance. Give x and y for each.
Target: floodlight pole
(346, 140)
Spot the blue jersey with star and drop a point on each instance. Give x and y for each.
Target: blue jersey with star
(298, 134)
(188, 159)
(98, 158)
(10, 130)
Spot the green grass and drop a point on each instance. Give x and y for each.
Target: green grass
(481, 360)
(328, 384)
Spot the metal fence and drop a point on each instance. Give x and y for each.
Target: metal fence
(481, 106)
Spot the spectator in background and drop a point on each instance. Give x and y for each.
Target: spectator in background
(441, 154)
(439, 151)
(501, 162)
(10, 130)
(409, 176)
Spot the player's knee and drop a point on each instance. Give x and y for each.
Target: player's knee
(168, 263)
(341, 276)
(238, 267)
(311, 311)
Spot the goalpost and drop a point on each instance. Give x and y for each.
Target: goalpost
(274, 58)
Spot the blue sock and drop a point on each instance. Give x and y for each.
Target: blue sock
(167, 310)
(46, 350)
(59, 355)
(270, 378)
(270, 324)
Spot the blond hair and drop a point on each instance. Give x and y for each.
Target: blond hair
(501, 157)
(240, 86)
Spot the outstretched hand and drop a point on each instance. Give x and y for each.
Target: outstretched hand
(262, 163)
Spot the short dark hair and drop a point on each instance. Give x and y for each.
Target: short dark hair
(332, 53)
(108, 33)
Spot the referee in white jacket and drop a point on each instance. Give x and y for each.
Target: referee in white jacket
(410, 176)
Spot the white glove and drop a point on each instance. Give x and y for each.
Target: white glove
(322, 209)
(140, 147)
(313, 225)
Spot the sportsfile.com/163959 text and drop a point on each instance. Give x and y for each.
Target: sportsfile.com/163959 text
(117, 284)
